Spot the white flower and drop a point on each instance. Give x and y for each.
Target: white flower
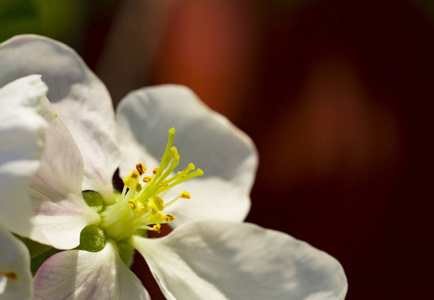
(15, 275)
(22, 133)
(209, 255)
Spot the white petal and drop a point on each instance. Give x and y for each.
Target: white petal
(15, 275)
(225, 260)
(61, 212)
(78, 274)
(203, 137)
(78, 96)
(22, 135)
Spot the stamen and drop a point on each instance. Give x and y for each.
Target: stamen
(141, 168)
(170, 218)
(157, 218)
(157, 204)
(127, 181)
(140, 206)
(185, 195)
(124, 190)
(132, 204)
(171, 202)
(146, 227)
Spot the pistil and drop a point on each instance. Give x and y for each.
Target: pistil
(140, 207)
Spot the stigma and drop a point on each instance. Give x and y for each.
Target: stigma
(141, 204)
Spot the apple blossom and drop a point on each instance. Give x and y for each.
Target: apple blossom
(22, 133)
(15, 275)
(209, 255)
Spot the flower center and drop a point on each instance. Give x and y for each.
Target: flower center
(141, 204)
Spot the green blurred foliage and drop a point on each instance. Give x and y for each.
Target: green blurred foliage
(59, 19)
(64, 20)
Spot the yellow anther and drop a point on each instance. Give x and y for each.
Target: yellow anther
(141, 168)
(154, 171)
(185, 195)
(157, 218)
(132, 204)
(164, 181)
(134, 174)
(156, 227)
(127, 181)
(147, 179)
(56, 116)
(157, 204)
(138, 187)
(170, 218)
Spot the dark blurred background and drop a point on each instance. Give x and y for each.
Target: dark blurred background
(335, 94)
